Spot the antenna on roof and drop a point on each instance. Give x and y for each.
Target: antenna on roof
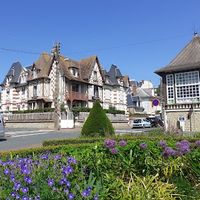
(56, 50)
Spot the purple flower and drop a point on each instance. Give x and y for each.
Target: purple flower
(50, 182)
(66, 191)
(6, 171)
(28, 179)
(114, 151)
(62, 181)
(17, 186)
(67, 170)
(122, 143)
(109, 143)
(24, 189)
(17, 196)
(143, 145)
(96, 197)
(168, 151)
(57, 157)
(37, 197)
(197, 143)
(162, 144)
(86, 192)
(25, 170)
(13, 194)
(71, 160)
(71, 196)
(25, 198)
(44, 156)
(12, 177)
(183, 147)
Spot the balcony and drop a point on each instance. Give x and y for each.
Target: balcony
(183, 106)
(76, 96)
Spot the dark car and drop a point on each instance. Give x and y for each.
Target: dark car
(155, 121)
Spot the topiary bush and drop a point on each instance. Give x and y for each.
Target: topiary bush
(97, 123)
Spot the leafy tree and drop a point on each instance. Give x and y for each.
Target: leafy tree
(97, 123)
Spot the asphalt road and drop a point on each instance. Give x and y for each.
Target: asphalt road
(23, 138)
(19, 139)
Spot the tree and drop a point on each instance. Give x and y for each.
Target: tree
(97, 123)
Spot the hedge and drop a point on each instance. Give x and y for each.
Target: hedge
(97, 123)
(88, 140)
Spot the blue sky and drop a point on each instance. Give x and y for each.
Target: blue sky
(138, 36)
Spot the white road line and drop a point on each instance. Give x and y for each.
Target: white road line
(21, 132)
(31, 134)
(26, 133)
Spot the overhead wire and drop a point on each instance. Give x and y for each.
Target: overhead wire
(99, 49)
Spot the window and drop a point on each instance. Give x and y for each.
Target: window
(75, 88)
(23, 90)
(74, 71)
(107, 94)
(96, 91)
(35, 90)
(170, 88)
(187, 87)
(95, 76)
(34, 73)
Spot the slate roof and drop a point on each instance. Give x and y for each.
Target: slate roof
(14, 72)
(187, 59)
(114, 73)
(142, 93)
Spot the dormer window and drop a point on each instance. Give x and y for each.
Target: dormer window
(9, 78)
(74, 71)
(34, 73)
(107, 79)
(23, 78)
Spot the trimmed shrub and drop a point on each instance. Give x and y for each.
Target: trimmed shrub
(97, 123)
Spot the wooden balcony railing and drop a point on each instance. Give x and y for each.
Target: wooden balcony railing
(76, 96)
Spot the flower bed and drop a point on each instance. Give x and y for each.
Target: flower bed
(112, 169)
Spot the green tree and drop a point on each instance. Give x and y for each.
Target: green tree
(97, 123)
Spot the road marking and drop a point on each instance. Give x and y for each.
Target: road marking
(26, 133)
(31, 134)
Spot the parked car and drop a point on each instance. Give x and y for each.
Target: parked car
(142, 123)
(155, 121)
(2, 127)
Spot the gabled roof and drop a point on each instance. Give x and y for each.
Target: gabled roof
(142, 93)
(42, 65)
(14, 72)
(65, 65)
(187, 59)
(87, 66)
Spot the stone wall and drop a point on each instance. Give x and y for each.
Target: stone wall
(36, 125)
(192, 119)
(113, 118)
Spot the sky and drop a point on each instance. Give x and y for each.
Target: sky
(137, 36)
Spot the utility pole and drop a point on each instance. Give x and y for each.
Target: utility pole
(57, 113)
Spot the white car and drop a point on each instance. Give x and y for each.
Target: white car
(142, 123)
(2, 127)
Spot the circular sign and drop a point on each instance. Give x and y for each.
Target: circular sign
(155, 102)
